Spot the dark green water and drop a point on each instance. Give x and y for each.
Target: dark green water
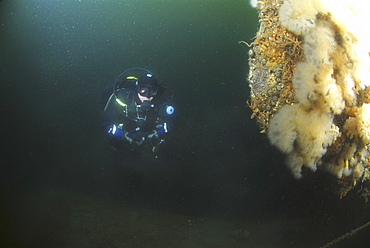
(216, 183)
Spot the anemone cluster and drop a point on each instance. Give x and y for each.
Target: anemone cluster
(309, 78)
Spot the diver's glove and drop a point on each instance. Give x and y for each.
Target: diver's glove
(162, 128)
(153, 135)
(116, 130)
(160, 132)
(128, 137)
(133, 137)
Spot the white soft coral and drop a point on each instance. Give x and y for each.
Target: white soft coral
(363, 122)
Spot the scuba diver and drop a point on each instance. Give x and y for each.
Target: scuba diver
(139, 112)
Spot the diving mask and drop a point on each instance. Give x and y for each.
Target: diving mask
(147, 91)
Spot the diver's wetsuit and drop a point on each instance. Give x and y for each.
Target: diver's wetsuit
(140, 123)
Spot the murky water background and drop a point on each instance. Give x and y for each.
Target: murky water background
(216, 183)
